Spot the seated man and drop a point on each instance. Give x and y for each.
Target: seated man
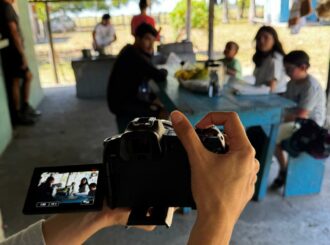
(128, 93)
(104, 34)
(309, 96)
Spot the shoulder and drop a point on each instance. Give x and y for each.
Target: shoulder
(277, 56)
(97, 26)
(313, 83)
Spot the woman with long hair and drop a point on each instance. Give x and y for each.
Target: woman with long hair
(83, 185)
(268, 60)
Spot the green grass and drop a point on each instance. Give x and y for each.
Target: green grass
(313, 39)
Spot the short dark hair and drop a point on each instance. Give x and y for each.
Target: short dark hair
(106, 17)
(144, 29)
(232, 44)
(92, 185)
(143, 4)
(297, 58)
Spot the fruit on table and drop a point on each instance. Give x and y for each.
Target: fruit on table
(195, 73)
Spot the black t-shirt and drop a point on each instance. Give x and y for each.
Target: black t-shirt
(7, 15)
(130, 70)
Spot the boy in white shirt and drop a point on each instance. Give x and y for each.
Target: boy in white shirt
(104, 34)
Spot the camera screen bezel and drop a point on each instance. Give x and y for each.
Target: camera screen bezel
(30, 201)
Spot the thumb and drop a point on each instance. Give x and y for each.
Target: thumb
(186, 134)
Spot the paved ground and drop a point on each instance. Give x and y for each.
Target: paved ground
(71, 131)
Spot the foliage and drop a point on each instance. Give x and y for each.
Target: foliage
(243, 3)
(199, 14)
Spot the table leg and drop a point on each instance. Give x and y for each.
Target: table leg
(265, 160)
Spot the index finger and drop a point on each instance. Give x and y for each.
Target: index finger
(233, 128)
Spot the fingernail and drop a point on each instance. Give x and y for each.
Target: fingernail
(176, 117)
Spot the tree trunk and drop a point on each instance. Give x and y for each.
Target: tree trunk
(252, 11)
(225, 12)
(211, 29)
(242, 9)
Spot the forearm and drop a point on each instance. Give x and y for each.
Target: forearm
(212, 229)
(272, 84)
(71, 228)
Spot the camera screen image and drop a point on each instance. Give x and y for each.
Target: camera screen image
(55, 189)
(68, 188)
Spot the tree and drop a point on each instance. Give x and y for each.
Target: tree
(225, 11)
(199, 14)
(242, 5)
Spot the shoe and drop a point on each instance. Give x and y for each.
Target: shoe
(29, 110)
(279, 181)
(24, 119)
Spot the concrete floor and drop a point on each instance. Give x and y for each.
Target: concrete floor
(71, 131)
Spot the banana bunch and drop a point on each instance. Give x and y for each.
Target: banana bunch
(194, 73)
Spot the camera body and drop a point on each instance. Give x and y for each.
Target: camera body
(147, 166)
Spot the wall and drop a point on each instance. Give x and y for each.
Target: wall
(22, 8)
(36, 90)
(5, 126)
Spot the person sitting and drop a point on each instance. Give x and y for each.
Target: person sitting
(45, 189)
(83, 185)
(143, 18)
(233, 66)
(128, 94)
(310, 98)
(268, 59)
(222, 185)
(104, 34)
(92, 189)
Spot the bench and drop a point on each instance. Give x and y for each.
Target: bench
(304, 175)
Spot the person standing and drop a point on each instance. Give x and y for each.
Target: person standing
(143, 18)
(128, 93)
(15, 67)
(104, 34)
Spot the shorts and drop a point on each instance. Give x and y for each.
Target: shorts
(285, 131)
(12, 63)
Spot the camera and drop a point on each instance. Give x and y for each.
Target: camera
(145, 169)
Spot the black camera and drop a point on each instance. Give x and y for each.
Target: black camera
(145, 169)
(147, 166)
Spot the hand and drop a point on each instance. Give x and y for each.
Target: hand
(222, 184)
(76, 228)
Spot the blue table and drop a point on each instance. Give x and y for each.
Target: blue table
(256, 110)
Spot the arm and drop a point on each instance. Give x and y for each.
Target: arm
(294, 114)
(17, 39)
(235, 172)
(76, 228)
(94, 39)
(148, 69)
(272, 84)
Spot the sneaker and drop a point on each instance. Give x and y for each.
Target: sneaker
(24, 119)
(279, 181)
(29, 110)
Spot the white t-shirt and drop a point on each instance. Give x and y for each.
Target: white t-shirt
(104, 34)
(272, 68)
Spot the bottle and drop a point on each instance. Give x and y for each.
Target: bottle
(214, 86)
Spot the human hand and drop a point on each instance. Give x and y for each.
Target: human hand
(222, 184)
(76, 228)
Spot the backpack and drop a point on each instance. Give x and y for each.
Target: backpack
(309, 138)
